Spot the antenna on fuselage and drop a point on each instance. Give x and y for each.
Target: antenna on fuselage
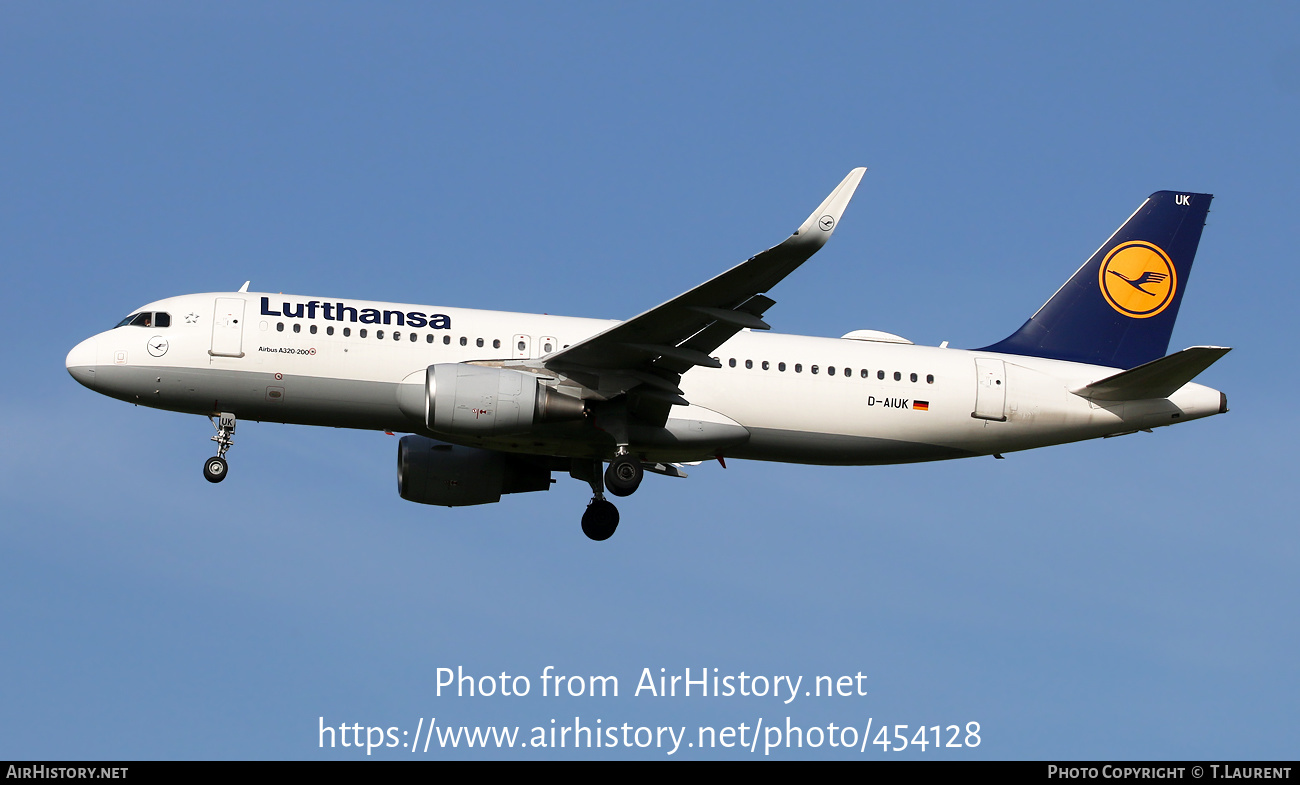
(244, 288)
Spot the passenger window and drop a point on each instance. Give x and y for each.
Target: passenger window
(732, 362)
(279, 327)
(898, 377)
(312, 329)
(913, 377)
(865, 373)
(880, 374)
(464, 341)
(329, 330)
(347, 332)
(749, 364)
(297, 327)
(379, 334)
(414, 337)
(479, 343)
(780, 367)
(162, 320)
(547, 347)
(813, 369)
(848, 371)
(496, 344)
(362, 332)
(446, 339)
(830, 369)
(929, 378)
(765, 365)
(798, 367)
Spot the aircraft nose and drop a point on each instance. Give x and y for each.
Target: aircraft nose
(82, 360)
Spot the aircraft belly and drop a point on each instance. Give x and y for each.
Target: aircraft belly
(680, 439)
(254, 395)
(830, 449)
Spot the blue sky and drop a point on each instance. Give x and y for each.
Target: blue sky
(1126, 598)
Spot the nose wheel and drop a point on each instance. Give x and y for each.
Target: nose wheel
(215, 469)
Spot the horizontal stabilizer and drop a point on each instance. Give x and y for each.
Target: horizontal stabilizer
(1156, 379)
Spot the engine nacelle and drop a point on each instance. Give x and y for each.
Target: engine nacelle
(433, 472)
(475, 400)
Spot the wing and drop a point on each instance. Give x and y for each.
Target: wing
(646, 355)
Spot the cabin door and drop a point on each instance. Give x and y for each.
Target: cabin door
(990, 390)
(228, 328)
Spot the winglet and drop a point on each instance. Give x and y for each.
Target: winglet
(825, 218)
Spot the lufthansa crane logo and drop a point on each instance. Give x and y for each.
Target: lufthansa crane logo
(1138, 279)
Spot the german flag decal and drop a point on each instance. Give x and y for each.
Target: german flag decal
(920, 406)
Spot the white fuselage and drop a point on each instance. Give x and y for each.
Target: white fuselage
(776, 397)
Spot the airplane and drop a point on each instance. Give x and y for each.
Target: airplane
(493, 403)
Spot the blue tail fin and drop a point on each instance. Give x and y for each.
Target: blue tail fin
(1118, 310)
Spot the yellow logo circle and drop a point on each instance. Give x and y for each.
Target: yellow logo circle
(1137, 279)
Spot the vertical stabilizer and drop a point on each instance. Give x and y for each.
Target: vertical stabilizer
(1118, 310)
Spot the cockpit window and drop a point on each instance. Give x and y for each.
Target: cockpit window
(147, 319)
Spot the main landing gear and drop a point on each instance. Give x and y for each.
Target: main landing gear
(214, 470)
(600, 519)
(622, 478)
(624, 475)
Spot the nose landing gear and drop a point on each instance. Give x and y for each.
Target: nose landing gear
(214, 470)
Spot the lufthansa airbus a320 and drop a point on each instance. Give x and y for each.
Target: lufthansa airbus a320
(495, 403)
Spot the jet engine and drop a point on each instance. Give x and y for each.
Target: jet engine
(433, 472)
(474, 400)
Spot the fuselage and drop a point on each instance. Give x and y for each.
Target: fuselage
(358, 364)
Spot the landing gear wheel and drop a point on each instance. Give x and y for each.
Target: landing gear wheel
(623, 476)
(215, 469)
(600, 520)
